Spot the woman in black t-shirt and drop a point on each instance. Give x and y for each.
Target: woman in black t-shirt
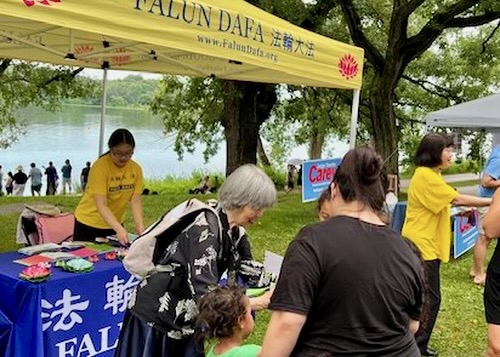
(358, 291)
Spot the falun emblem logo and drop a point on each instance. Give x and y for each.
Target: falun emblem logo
(30, 3)
(348, 66)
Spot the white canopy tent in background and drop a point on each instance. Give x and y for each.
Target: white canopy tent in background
(482, 113)
(478, 114)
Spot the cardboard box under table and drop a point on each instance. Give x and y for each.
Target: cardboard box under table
(70, 314)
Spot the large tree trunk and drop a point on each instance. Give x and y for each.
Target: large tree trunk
(246, 106)
(240, 123)
(316, 142)
(383, 119)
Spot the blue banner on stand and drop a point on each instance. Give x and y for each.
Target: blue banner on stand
(465, 231)
(316, 176)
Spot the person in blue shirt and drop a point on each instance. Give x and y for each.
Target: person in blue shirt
(490, 180)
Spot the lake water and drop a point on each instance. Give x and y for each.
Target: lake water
(73, 133)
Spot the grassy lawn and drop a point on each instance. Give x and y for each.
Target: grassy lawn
(460, 329)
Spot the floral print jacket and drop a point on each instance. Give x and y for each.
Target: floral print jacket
(185, 269)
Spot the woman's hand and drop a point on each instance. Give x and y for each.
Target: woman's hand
(122, 236)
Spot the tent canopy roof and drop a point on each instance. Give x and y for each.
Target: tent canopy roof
(479, 113)
(227, 39)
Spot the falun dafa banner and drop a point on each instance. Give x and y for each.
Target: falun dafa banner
(226, 39)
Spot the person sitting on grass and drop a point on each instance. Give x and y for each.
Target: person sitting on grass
(225, 315)
(204, 187)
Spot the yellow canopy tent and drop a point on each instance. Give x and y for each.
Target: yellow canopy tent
(227, 39)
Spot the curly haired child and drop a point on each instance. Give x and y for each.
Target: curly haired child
(225, 316)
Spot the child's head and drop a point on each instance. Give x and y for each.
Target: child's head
(323, 205)
(224, 312)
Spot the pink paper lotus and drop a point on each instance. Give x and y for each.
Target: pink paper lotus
(36, 271)
(110, 256)
(93, 258)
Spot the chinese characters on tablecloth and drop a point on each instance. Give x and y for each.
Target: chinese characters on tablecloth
(79, 322)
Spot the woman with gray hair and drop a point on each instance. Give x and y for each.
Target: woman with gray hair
(162, 311)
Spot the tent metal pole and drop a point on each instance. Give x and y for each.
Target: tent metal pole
(103, 109)
(354, 118)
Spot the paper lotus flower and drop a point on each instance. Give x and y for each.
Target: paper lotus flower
(78, 265)
(110, 256)
(93, 258)
(36, 273)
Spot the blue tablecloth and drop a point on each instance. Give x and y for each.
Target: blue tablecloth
(70, 314)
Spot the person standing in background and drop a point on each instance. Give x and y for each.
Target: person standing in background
(9, 183)
(489, 183)
(66, 176)
(299, 179)
(290, 178)
(52, 177)
(36, 179)
(84, 176)
(427, 222)
(19, 180)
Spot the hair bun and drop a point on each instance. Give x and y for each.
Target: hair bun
(370, 168)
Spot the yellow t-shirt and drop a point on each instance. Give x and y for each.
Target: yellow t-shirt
(427, 221)
(118, 184)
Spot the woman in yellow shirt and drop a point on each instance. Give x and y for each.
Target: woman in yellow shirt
(114, 181)
(427, 221)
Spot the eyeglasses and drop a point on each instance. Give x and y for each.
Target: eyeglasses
(125, 155)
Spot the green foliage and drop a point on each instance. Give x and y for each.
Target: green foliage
(307, 115)
(279, 177)
(477, 150)
(460, 166)
(131, 91)
(464, 166)
(191, 110)
(410, 139)
(23, 84)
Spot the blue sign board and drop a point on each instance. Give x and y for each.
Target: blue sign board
(316, 176)
(465, 232)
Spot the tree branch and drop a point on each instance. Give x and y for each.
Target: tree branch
(490, 36)
(4, 65)
(355, 28)
(446, 18)
(440, 91)
(411, 6)
(62, 76)
(408, 103)
(472, 21)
